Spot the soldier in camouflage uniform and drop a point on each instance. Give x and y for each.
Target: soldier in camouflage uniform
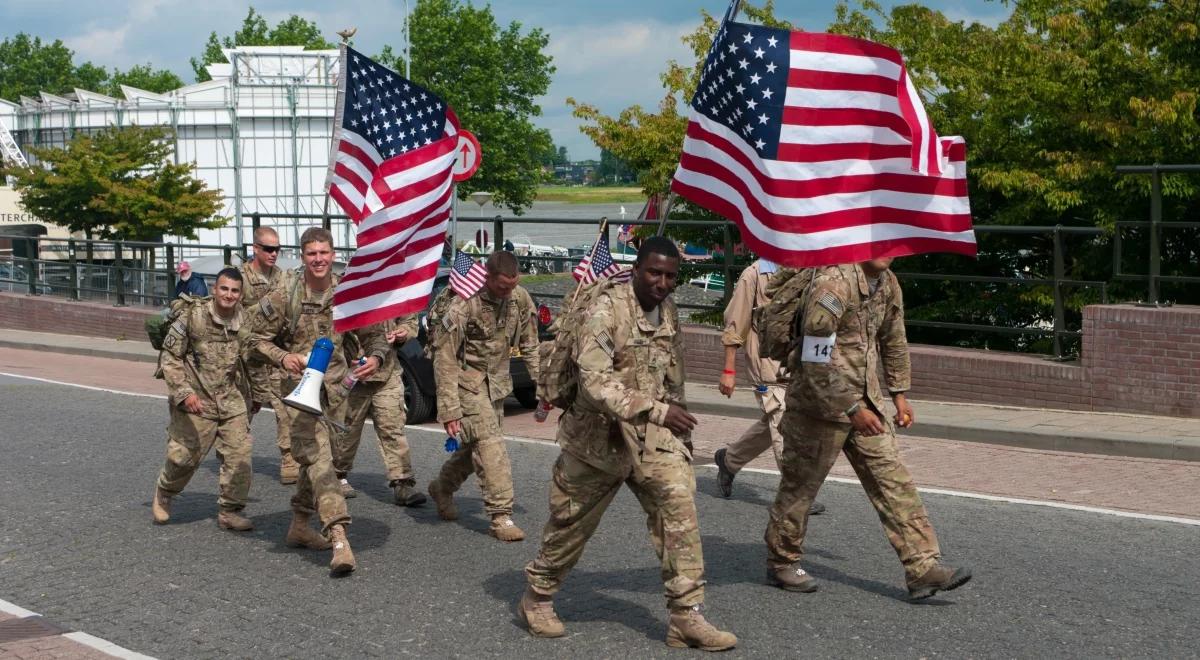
(296, 317)
(853, 330)
(471, 352)
(202, 365)
(259, 277)
(382, 397)
(628, 425)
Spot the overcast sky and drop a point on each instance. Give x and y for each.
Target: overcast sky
(608, 52)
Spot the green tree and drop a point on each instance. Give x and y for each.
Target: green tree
(291, 31)
(118, 183)
(491, 76)
(142, 76)
(29, 66)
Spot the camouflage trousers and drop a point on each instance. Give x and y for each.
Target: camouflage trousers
(579, 496)
(481, 451)
(810, 447)
(384, 403)
(762, 435)
(317, 489)
(189, 439)
(266, 385)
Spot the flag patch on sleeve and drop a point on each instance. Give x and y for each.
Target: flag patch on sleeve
(831, 303)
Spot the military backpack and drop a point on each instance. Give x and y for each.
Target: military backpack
(558, 377)
(159, 325)
(777, 321)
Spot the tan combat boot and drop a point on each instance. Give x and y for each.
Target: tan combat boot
(504, 529)
(289, 469)
(687, 627)
(791, 578)
(300, 535)
(229, 519)
(405, 492)
(537, 612)
(348, 491)
(939, 578)
(343, 557)
(446, 509)
(160, 506)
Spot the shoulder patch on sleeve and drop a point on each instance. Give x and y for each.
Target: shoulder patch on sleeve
(265, 307)
(605, 341)
(831, 303)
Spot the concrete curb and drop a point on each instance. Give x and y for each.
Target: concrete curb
(1109, 444)
(78, 350)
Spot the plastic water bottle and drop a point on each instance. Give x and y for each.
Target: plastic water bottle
(760, 388)
(543, 411)
(350, 381)
(451, 444)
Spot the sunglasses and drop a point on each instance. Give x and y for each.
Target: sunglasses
(269, 249)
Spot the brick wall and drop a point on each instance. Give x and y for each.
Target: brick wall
(1135, 359)
(90, 319)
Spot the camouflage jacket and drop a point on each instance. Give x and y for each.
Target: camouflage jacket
(868, 330)
(471, 350)
(749, 293)
(256, 285)
(629, 371)
(290, 320)
(202, 355)
(390, 364)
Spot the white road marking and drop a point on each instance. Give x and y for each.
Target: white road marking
(15, 610)
(845, 480)
(105, 646)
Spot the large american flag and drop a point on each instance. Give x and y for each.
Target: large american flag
(390, 171)
(819, 147)
(467, 275)
(599, 264)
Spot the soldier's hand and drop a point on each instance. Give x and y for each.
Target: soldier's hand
(904, 412)
(726, 384)
(192, 404)
(294, 362)
(679, 420)
(866, 423)
(454, 428)
(368, 368)
(397, 335)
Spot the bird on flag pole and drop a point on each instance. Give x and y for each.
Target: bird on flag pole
(390, 171)
(819, 148)
(467, 275)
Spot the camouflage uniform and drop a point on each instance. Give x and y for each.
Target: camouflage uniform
(266, 380)
(471, 352)
(202, 355)
(298, 316)
(751, 293)
(382, 397)
(870, 339)
(629, 371)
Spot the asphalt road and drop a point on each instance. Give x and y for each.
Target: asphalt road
(76, 544)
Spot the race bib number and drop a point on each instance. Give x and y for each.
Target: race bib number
(818, 349)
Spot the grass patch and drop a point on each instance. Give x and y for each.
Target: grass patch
(592, 195)
(526, 280)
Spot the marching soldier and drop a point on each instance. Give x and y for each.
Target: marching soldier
(382, 397)
(852, 323)
(202, 365)
(259, 277)
(471, 352)
(751, 293)
(628, 425)
(296, 316)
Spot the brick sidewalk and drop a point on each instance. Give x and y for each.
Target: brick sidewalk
(25, 635)
(1150, 486)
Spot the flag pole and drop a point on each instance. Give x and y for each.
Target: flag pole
(662, 221)
(591, 259)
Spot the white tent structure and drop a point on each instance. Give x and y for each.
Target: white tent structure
(259, 131)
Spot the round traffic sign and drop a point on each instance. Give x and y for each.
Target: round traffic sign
(467, 156)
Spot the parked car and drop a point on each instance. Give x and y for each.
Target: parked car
(420, 387)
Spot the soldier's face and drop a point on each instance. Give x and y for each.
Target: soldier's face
(266, 251)
(318, 259)
(876, 266)
(501, 286)
(227, 294)
(654, 279)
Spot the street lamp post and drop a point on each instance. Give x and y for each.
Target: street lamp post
(407, 43)
(481, 198)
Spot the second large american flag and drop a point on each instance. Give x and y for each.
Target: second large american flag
(390, 171)
(819, 147)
